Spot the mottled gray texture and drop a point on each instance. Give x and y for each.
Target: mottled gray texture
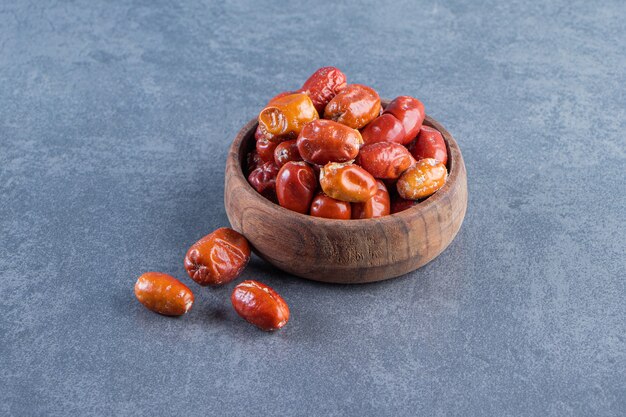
(115, 120)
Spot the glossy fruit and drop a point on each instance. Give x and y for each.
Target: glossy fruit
(265, 149)
(410, 112)
(217, 258)
(399, 204)
(330, 208)
(263, 180)
(430, 144)
(385, 128)
(323, 141)
(422, 179)
(163, 294)
(385, 159)
(286, 152)
(377, 206)
(323, 86)
(347, 182)
(295, 186)
(354, 106)
(260, 305)
(287, 115)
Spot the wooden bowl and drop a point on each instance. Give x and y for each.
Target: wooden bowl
(345, 251)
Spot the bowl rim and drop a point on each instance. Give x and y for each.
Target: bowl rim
(455, 162)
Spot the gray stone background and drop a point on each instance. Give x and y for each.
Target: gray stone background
(115, 120)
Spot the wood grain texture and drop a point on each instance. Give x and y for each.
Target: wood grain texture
(345, 251)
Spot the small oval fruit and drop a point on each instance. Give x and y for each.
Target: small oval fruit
(410, 112)
(430, 144)
(354, 106)
(330, 208)
(263, 180)
(385, 159)
(286, 152)
(347, 182)
(260, 305)
(285, 116)
(385, 128)
(295, 186)
(265, 149)
(324, 141)
(422, 179)
(163, 294)
(377, 206)
(323, 86)
(218, 257)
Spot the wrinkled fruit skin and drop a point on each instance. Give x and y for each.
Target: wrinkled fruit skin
(287, 115)
(410, 112)
(385, 159)
(323, 86)
(263, 180)
(295, 186)
(265, 149)
(377, 206)
(217, 258)
(260, 305)
(286, 152)
(260, 134)
(399, 204)
(422, 179)
(324, 141)
(430, 144)
(385, 128)
(347, 182)
(163, 294)
(329, 208)
(355, 106)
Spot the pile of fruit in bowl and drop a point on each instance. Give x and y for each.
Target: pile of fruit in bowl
(331, 150)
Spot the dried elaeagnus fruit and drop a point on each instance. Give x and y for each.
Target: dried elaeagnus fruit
(410, 112)
(295, 186)
(286, 152)
(324, 141)
(384, 159)
(217, 258)
(330, 208)
(385, 128)
(163, 294)
(260, 305)
(355, 106)
(263, 180)
(323, 86)
(347, 182)
(287, 115)
(422, 179)
(430, 144)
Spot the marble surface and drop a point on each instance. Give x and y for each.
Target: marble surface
(115, 120)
